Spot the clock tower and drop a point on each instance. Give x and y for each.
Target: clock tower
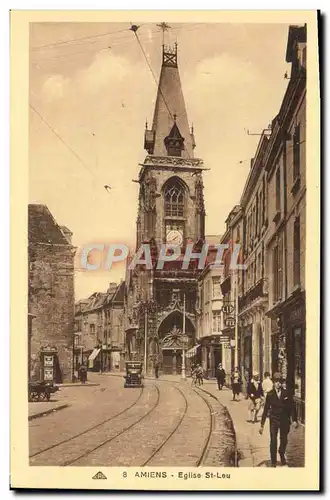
(161, 302)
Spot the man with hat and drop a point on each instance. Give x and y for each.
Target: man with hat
(280, 409)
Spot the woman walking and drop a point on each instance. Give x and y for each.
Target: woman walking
(236, 383)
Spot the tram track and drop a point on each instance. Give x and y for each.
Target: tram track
(112, 438)
(156, 453)
(204, 453)
(86, 431)
(174, 430)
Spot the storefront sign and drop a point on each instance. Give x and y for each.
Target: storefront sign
(227, 308)
(48, 360)
(48, 373)
(230, 321)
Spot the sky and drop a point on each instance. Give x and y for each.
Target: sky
(92, 85)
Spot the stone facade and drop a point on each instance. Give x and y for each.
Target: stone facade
(51, 290)
(99, 325)
(253, 298)
(160, 303)
(285, 240)
(271, 291)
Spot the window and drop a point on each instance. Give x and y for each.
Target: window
(207, 322)
(275, 282)
(216, 327)
(263, 201)
(92, 328)
(296, 153)
(298, 365)
(174, 200)
(238, 236)
(216, 289)
(296, 252)
(257, 214)
(278, 271)
(280, 268)
(278, 190)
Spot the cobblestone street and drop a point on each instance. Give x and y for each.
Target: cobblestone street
(165, 423)
(168, 422)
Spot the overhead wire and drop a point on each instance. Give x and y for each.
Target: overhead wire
(62, 140)
(76, 39)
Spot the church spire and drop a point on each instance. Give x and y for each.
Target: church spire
(169, 103)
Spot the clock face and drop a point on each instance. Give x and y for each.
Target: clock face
(174, 237)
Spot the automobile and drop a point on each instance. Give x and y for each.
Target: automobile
(133, 376)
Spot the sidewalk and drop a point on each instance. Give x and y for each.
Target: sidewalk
(58, 401)
(253, 448)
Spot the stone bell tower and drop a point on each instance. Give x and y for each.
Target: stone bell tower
(171, 210)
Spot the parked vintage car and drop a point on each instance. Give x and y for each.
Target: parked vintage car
(41, 391)
(133, 376)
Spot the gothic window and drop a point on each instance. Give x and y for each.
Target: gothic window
(174, 200)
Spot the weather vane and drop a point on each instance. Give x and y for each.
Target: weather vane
(164, 27)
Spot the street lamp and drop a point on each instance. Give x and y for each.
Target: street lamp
(148, 306)
(184, 339)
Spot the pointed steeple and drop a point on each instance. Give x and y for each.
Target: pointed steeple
(170, 117)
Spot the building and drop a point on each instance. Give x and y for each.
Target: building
(211, 350)
(160, 302)
(255, 344)
(231, 284)
(285, 163)
(50, 295)
(99, 330)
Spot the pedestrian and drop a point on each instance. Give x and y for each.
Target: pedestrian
(199, 374)
(267, 384)
(236, 383)
(82, 372)
(156, 369)
(221, 376)
(281, 410)
(255, 393)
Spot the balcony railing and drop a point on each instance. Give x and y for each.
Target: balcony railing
(258, 291)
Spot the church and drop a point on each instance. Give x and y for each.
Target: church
(160, 305)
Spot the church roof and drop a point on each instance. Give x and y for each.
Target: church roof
(170, 107)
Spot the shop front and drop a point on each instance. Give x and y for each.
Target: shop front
(289, 347)
(294, 319)
(216, 349)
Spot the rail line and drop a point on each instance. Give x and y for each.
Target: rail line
(67, 440)
(174, 430)
(107, 441)
(236, 453)
(204, 453)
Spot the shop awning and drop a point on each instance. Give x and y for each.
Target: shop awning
(192, 352)
(92, 357)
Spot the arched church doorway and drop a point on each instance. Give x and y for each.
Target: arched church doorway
(171, 344)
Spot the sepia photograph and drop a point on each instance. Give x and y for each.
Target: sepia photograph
(171, 197)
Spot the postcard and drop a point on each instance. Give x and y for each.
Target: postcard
(165, 267)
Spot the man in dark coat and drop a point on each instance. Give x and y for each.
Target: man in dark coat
(221, 376)
(281, 410)
(156, 368)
